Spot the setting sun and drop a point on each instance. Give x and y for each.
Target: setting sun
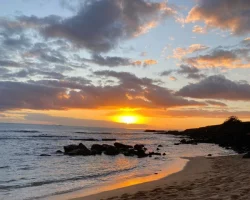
(128, 119)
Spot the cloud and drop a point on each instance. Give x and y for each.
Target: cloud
(75, 92)
(216, 103)
(166, 73)
(100, 25)
(224, 14)
(217, 87)
(110, 61)
(144, 63)
(179, 53)
(221, 57)
(191, 72)
(194, 113)
(199, 29)
(172, 78)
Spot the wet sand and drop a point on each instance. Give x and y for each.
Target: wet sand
(211, 178)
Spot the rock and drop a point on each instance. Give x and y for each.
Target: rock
(111, 151)
(164, 154)
(141, 154)
(157, 149)
(209, 154)
(176, 143)
(105, 146)
(183, 141)
(59, 151)
(129, 152)
(70, 148)
(156, 173)
(82, 146)
(138, 147)
(247, 155)
(97, 148)
(80, 152)
(122, 146)
(159, 145)
(45, 155)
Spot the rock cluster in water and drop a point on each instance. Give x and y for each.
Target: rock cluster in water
(138, 150)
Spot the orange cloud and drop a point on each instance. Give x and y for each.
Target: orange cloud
(144, 63)
(218, 58)
(179, 53)
(199, 29)
(223, 14)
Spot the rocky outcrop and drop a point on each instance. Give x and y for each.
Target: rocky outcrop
(232, 134)
(138, 150)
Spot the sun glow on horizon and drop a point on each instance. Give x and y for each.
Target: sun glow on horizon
(128, 119)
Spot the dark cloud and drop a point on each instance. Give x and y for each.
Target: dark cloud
(100, 25)
(9, 63)
(76, 92)
(217, 87)
(18, 42)
(110, 61)
(233, 15)
(166, 73)
(221, 57)
(190, 71)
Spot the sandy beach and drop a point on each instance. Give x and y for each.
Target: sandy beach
(216, 178)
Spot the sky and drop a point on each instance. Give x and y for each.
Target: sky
(159, 64)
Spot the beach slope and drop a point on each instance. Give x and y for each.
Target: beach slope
(202, 178)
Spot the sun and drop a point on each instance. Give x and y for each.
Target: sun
(128, 119)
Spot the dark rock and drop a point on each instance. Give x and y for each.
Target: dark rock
(80, 152)
(122, 146)
(111, 151)
(97, 148)
(157, 149)
(138, 147)
(141, 154)
(130, 152)
(209, 155)
(176, 143)
(164, 154)
(247, 155)
(70, 148)
(159, 145)
(45, 155)
(156, 173)
(105, 146)
(59, 151)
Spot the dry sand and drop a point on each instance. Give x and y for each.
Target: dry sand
(217, 178)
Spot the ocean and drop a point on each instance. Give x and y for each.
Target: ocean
(25, 175)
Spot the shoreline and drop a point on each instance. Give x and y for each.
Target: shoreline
(209, 178)
(184, 173)
(176, 166)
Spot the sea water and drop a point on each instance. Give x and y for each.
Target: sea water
(24, 174)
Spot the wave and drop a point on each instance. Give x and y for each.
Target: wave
(77, 178)
(85, 132)
(4, 167)
(20, 131)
